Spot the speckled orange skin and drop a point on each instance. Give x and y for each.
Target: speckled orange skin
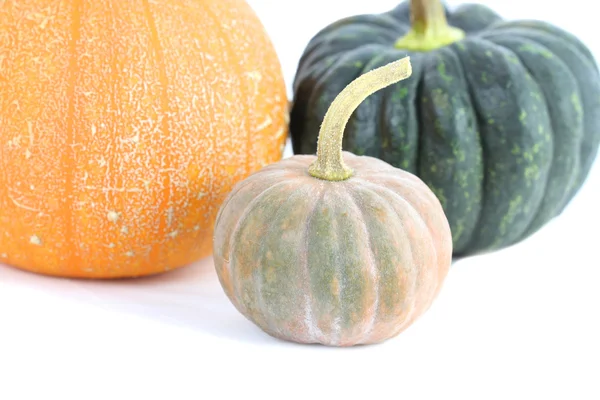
(336, 263)
(123, 124)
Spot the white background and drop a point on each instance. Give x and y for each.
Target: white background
(522, 323)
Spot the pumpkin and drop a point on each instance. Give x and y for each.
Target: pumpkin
(335, 249)
(123, 126)
(501, 118)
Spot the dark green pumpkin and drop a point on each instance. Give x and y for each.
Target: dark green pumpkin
(502, 124)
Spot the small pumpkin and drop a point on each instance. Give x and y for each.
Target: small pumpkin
(124, 124)
(336, 249)
(501, 118)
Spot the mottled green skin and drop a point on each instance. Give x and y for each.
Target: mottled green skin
(503, 126)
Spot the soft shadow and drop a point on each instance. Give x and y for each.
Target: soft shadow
(190, 297)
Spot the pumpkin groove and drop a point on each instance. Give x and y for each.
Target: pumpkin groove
(443, 160)
(68, 155)
(165, 110)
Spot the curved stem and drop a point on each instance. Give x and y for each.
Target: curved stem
(330, 164)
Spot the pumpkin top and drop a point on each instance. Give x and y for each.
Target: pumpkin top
(429, 27)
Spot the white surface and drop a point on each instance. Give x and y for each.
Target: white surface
(522, 323)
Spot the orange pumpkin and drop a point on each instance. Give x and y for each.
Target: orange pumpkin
(123, 124)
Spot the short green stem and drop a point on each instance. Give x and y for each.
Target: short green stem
(329, 164)
(429, 27)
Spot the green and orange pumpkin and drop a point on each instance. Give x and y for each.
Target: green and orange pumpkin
(335, 249)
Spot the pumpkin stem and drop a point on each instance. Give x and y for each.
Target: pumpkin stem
(430, 29)
(330, 163)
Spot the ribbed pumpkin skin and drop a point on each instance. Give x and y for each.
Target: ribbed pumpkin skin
(503, 126)
(123, 125)
(335, 263)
